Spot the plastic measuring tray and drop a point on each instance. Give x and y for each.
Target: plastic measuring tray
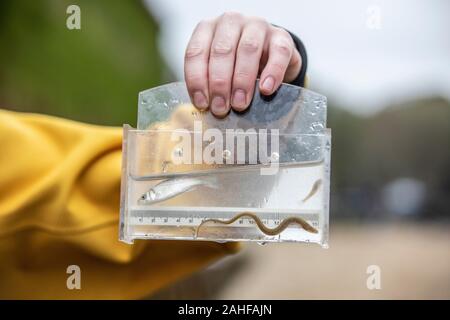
(262, 175)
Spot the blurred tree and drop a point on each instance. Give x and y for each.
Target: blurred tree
(93, 74)
(408, 140)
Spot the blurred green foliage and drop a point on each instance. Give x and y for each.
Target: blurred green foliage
(93, 74)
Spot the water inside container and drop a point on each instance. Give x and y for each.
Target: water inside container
(197, 201)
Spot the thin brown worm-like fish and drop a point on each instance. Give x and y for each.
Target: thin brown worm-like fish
(268, 231)
(314, 189)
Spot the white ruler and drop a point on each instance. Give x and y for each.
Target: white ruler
(175, 216)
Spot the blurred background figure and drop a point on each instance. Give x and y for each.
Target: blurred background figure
(385, 69)
(404, 196)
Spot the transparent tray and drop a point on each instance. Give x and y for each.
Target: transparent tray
(262, 175)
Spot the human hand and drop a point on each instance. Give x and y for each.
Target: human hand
(225, 55)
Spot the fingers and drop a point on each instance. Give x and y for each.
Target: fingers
(221, 62)
(248, 56)
(281, 49)
(294, 67)
(225, 55)
(196, 63)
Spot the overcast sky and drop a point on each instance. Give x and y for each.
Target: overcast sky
(362, 54)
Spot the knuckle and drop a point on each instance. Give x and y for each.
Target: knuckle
(218, 84)
(221, 48)
(283, 47)
(249, 45)
(194, 50)
(279, 31)
(283, 33)
(242, 76)
(203, 23)
(231, 15)
(258, 21)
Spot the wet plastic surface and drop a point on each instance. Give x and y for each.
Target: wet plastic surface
(273, 161)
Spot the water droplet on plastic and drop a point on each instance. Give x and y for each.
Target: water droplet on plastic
(165, 166)
(275, 156)
(317, 126)
(178, 152)
(226, 154)
(317, 101)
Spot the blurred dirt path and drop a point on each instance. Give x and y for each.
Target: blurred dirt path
(414, 262)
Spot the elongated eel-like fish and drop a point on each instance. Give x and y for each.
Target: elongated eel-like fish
(314, 189)
(268, 231)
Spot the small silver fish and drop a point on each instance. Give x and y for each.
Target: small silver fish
(173, 187)
(314, 189)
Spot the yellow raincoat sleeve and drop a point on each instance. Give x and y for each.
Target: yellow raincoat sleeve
(59, 206)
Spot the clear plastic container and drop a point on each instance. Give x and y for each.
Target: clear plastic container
(268, 168)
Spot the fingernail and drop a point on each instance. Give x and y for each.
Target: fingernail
(239, 98)
(200, 100)
(268, 84)
(218, 104)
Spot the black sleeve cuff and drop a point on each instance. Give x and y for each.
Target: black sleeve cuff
(300, 80)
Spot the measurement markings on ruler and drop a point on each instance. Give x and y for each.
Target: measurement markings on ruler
(195, 221)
